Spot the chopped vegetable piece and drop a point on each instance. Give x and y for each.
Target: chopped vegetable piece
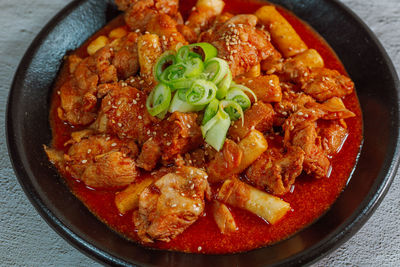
(216, 69)
(224, 85)
(158, 101)
(201, 92)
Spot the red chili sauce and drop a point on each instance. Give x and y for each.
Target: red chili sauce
(310, 198)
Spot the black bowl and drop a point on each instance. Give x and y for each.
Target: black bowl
(28, 128)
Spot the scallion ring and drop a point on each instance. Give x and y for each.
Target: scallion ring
(210, 111)
(239, 97)
(224, 85)
(215, 130)
(201, 92)
(209, 51)
(177, 104)
(158, 101)
(234, 110)
(245, 89)
(165, 60)
(216, 69)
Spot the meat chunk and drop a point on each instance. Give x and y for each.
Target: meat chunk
(235, 158)
(333, 108)
(260, 117)
(171, 204)
(325, 83)
(138, 13)
(266, 88)
(320, 83)
(204, 14)
(117, 60)
(276, 171)
(300, 130)
(123, 113)
(224, 218)
(240, 43)
(126, 57)
(333, 134)
(78, 106)
(99, 161)
(225, 162)
(180, 133)
(149, 155)
(166, 27)
(173, 137)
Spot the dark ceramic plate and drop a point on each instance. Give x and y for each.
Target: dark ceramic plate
(28, 128)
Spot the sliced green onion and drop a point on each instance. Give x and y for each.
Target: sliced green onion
(184, 53)
(216, 69)
(239, 97)
(194, 67)
(245, 89)
(210, 111)
(158, 101)
(209, 51)
(224, 85)
(215, 130)
(166, 59)
(201, 92)
(234, 110)
(177, 104)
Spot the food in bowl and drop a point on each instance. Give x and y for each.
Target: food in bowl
(205, 127)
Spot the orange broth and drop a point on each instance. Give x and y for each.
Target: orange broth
(310, 198)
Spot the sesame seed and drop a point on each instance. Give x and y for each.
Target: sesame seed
(108, 138)
(173, 205)
(199, 248)
(119, 124)
(84, 161)
(134, 101)
(113, 144)
(139, 117)
(168, 143)
(89, 151)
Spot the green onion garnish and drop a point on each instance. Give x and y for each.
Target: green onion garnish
(200, 81)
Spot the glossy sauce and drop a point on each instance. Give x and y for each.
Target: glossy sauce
(310, 198)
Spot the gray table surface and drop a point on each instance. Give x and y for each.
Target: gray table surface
(26, 240)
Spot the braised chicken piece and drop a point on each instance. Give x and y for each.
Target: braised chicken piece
(126, 56)
(225, 162)
(117, 60)
(123, 113)
(171, 204)
(138, 13)
(260, 117)
(300, 130)
(325, 83)
(181, 134)
(203, 14)
(320, 83)
(166, 27)
(99, 161)
(176, 135)
(276, 171)
(240, 43)
(333, 134)
(150, 155)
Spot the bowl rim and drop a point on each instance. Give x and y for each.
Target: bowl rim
(308, 256)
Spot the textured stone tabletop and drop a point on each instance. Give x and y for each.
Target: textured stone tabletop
(26, 240)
